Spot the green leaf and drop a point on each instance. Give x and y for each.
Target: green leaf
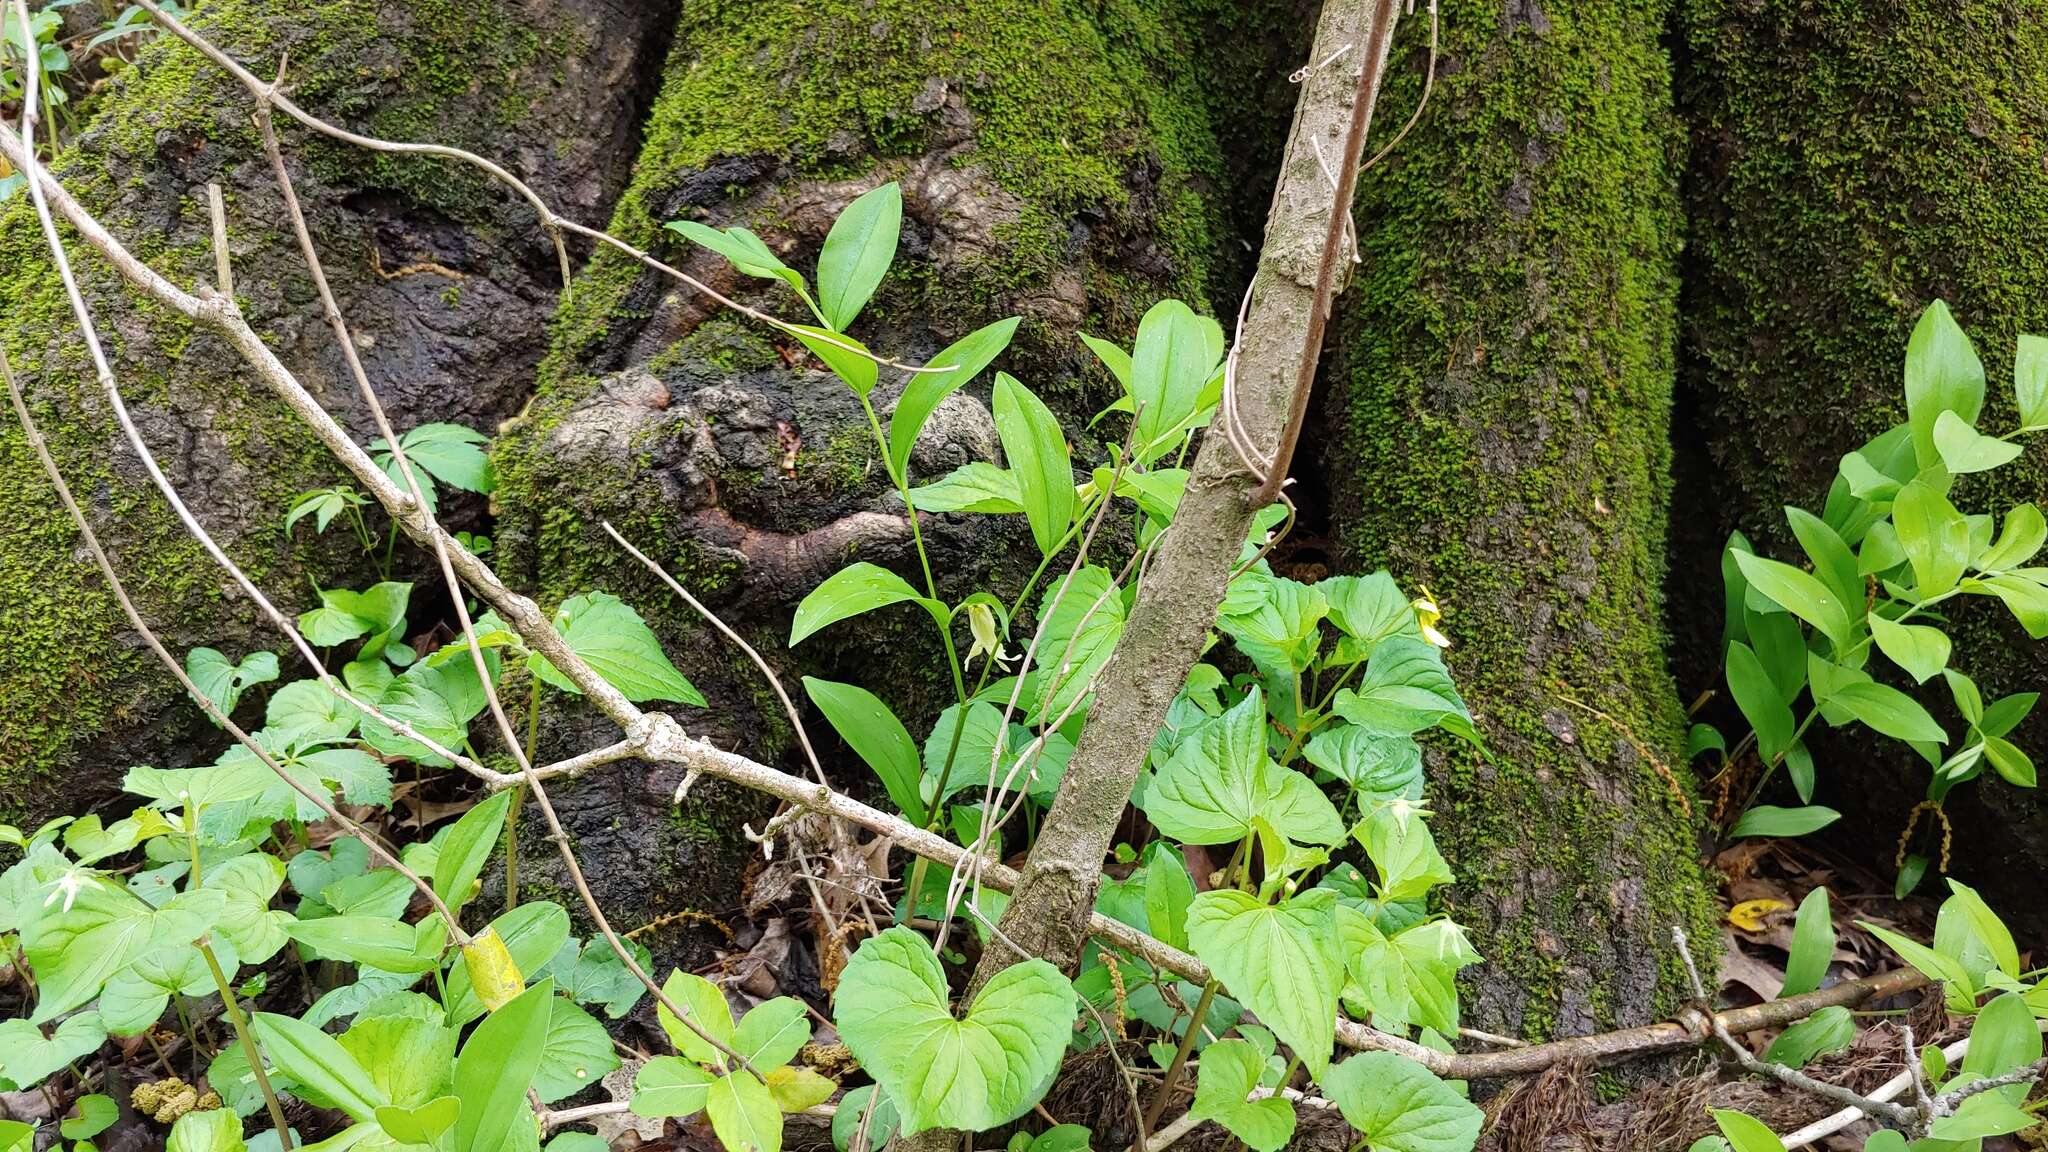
(708, 1009)
(96, 1114)
(1038, 457)
(1230, 1070)
(963, 361)
(1800, 593)
(2021, 536)
(1813, 945)
(466, 848)
(746, 251)
(2003, 1038)
(1935, 536)
(1217, 783)
(744, 1115)
(1281, 961)
(250, 926)
(1967, 929)
(313, 1058)
(1964, 449)
(1169, 890)
(577, 1053)
(217, 1130)
(1921, 650)
(305, 712)
(1405, 690)
(977, 486)
(27, 1056)
(222, 683)
(1408, 978)
(2027, 600)
(976, 1073)
(1175, 354)
(2030, 381)
(1760, 701)
(377, 941)
(448, 453)
(401, 1042)
(1369, 609)
(1833, 563)
(876, 736)
(857, 371)
(2014, 765)
(1399, 1106)
(1889, 711)
(619, 646)
(1931, 963)
(857, 253)
(1745, 1133)
(1378, 766)
(74, 951)
(882, 1119)
(859, 587)
(1771, 820)
(1401, 847)
(1832, 1029)
(1943, 374)
(1082, 617)
(532, 933)
(420, 1125)
(670, 1086)
(770, 1034)
(1980, 1117)
(497, 1066)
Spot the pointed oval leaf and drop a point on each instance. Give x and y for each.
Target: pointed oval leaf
(857, 253)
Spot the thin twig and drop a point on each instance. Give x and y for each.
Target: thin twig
(438, 545)
(1790, 1077)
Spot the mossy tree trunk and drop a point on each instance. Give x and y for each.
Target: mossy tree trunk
(1851, 163)
(1058, 161)
(1495, 428)
(446, 280)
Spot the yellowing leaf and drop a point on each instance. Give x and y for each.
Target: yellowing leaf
(1750, 914)
(492, 971)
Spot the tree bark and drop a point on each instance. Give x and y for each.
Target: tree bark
(1058, 161)
(1851, 164)
(447, 281)
(1495, 428)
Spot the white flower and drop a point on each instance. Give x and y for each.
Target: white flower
(69, 886)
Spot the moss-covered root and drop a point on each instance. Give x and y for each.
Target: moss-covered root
(79, 702)
(1852, 162)
(1497, 430)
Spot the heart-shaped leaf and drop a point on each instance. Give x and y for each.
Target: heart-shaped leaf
(941, 1071)
(1400, 1106)
(1230, 1070)
(1281, 960)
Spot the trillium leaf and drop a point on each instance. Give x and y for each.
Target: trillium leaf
(743, 1113)
(670, 1086)
(973, 1073)
(1281, 961)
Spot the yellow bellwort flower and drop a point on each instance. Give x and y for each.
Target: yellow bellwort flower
(981, 623)
(1427, 614)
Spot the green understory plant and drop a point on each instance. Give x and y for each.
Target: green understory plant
(1888, 550)
(1301, 766)
(1976, 963)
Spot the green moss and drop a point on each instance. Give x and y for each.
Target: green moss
(1498, 432)
(1851, 163)
(70, 673)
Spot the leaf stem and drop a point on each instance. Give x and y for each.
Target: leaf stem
(240, 1024)
(1180, 1055)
